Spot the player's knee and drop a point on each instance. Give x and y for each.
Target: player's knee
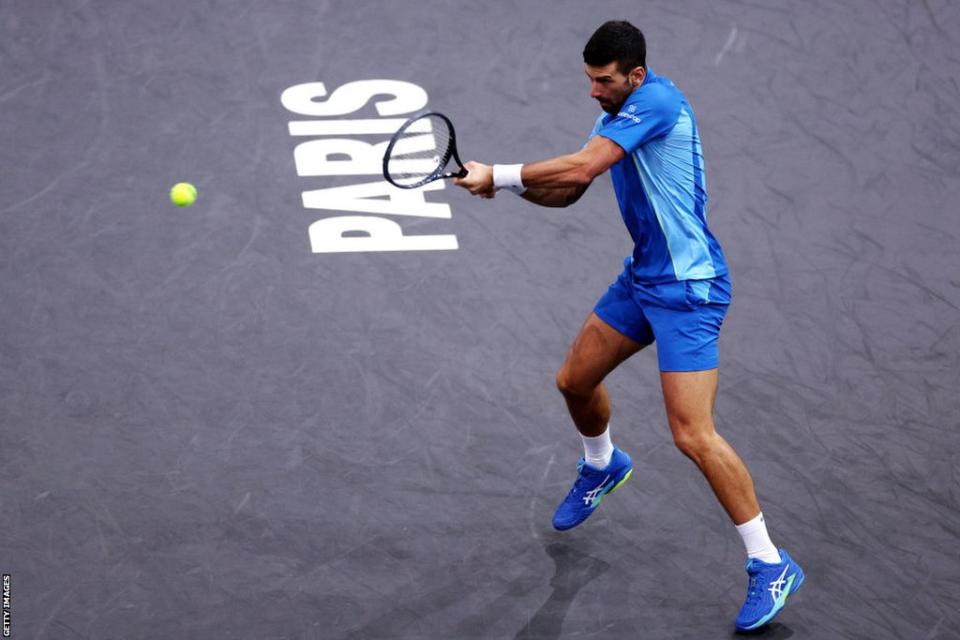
(693, 440)
(564, 382)
(688, 444)
(571, 385)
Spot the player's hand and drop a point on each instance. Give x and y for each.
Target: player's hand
(479, 180)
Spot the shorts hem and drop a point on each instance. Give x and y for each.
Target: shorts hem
(689, 369)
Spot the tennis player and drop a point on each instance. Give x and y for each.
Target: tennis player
(674, 290)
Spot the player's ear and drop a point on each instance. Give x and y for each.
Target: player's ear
(637, 74)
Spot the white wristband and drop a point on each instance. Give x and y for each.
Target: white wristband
(507, 176)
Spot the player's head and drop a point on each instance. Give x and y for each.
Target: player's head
(616, 63)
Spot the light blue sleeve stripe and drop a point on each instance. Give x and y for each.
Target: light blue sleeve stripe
(665, 168)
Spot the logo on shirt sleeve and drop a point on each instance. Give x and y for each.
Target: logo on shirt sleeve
(630, 114)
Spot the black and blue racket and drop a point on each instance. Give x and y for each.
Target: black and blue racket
(420, 150)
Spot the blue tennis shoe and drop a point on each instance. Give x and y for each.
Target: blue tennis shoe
(768, 587)
(590, 487)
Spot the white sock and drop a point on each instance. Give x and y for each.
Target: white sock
(597, 451)
(757, 540)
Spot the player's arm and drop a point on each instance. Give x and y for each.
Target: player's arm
(547, 197)
(575, 170)
(569, 175)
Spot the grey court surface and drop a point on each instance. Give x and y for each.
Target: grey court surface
(209, 429)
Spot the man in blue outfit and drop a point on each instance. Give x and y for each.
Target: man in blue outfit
(674, 290)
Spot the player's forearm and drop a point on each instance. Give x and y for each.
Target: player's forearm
(569, 171)
(573, 171)
(546, 197)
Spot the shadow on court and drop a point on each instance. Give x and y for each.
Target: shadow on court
(573, 570)
(773, 631)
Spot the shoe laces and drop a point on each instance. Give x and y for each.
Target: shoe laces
(754, 592)
(579, 482)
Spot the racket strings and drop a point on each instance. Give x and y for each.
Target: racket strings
(421, 151)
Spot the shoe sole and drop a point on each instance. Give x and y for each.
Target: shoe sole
(626, 477)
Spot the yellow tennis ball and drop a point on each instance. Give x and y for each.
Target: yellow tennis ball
(183, 194)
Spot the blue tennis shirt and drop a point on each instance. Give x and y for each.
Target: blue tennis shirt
(660, 184)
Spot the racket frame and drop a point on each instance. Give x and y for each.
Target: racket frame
(438, 173)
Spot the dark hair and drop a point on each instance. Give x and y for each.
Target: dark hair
(616, 41)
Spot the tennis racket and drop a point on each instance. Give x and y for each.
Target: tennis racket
(420, 150)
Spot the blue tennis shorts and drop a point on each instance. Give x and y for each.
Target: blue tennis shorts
(683, 317)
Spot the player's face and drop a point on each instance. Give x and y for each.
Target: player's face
(611, 88)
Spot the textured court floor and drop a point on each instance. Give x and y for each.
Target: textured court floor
(209, 429)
